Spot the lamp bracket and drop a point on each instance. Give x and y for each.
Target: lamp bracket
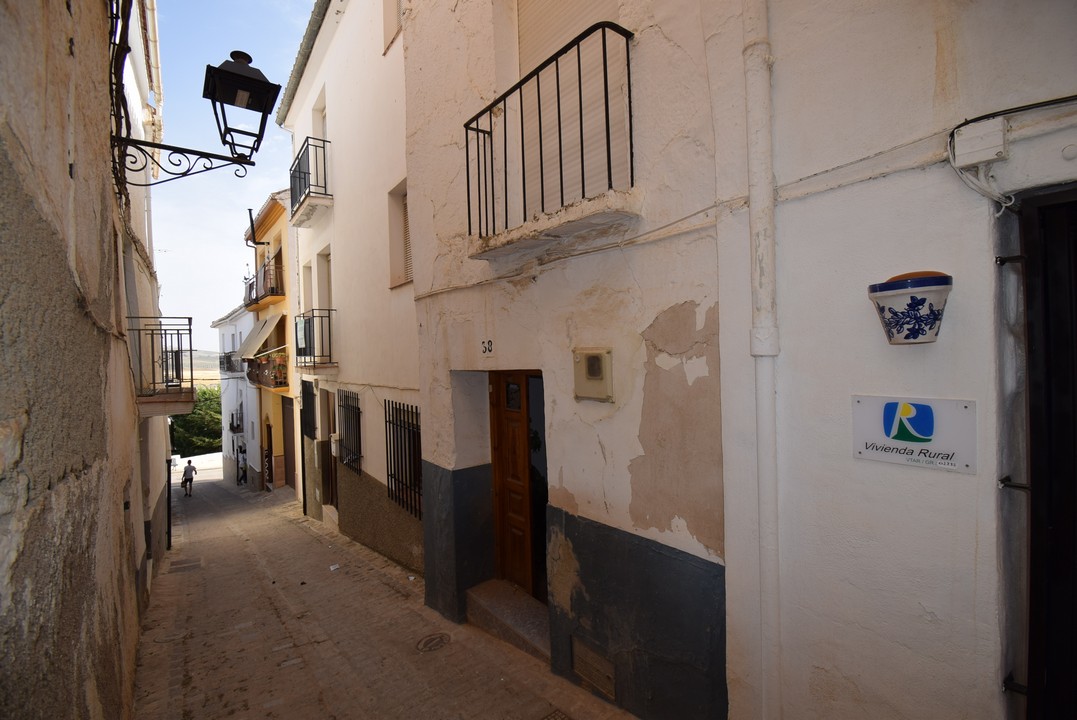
(176, 162)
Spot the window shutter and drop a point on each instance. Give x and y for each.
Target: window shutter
(407, 243)
(546, 25)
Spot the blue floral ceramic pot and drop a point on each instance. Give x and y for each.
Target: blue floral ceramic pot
(910, 306)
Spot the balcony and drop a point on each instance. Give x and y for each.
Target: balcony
(551, 158)
(235, 422)
(162, 364)
(265, 288)
(231, 363)
(310, 183)
(314, 338)
(269, 370)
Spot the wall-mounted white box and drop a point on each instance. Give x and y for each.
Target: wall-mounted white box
(981, 142)
(593, 373)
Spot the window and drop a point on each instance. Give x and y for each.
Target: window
(400, 262)
(349, 429)
(403, 456)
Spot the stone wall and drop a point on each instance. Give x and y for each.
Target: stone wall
(70, 492)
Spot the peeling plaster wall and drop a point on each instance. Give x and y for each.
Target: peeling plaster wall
(68, 424)
(536, 309)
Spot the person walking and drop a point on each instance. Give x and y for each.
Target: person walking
(188, 478)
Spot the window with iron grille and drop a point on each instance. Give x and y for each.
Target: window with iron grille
(349, 430)
(403, 456)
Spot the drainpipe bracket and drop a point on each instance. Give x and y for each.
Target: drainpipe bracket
(764, 342)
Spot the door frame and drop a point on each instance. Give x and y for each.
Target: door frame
(1050, 590)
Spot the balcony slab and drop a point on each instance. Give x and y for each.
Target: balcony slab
(606, 215)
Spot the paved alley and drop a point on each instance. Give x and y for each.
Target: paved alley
(259, 612)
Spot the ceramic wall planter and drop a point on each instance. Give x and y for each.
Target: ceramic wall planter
(910, 306)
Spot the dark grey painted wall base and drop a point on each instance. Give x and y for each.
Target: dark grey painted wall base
(458, 535)
(367, 515)
(631, 619)
(652, 614)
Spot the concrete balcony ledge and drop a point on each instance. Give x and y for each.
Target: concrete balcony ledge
(311, 209)
(605, 215)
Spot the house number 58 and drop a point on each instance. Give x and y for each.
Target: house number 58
(487, 347)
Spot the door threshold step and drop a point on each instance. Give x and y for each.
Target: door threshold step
(507, 612)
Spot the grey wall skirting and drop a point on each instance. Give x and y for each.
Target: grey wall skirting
(655, 614)
(367, 515)
(458, 535)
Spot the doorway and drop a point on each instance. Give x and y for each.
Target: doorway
(1049, 244)
(288, 423)
(520, 490)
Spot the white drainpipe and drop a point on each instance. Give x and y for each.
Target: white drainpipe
(764, 342)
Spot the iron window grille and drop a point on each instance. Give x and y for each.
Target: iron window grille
(162, 356)
(310, 171)
(349, 430)
(314, 338)
(561, 134)
(403, 455)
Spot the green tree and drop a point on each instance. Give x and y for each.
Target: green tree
(200, 432)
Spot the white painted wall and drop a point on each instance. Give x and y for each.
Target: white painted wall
(236, 391)
(374, 338)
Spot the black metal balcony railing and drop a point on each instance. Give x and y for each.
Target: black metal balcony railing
(235, 422)
(309, 173)
(267, 282)
(231, 362)
(314, 338)
(161, 355)
(561, 134)
(269, 370)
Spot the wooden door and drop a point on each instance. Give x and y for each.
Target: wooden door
(288, 417)
(512, 478)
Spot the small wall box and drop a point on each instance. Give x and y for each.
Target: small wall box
(593, 373)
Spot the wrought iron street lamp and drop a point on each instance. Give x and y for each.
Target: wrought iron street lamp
(234, 83)
(237, 83)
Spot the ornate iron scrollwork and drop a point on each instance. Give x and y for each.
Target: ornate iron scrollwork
(176, 162)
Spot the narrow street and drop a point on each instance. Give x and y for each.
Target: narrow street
(259, 612)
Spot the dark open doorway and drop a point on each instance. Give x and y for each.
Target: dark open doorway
(1049, 244)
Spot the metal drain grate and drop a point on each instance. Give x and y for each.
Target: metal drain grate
(430, 643)
(185, 565)
(595, 670)
(556, 715)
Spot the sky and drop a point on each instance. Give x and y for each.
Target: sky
(199, 221)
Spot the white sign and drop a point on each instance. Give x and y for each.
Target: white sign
(923, 432)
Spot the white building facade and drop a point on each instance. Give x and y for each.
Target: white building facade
(239, 398)
(356, 342)
(644, 337)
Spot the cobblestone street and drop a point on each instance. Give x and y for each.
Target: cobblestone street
(259, 612)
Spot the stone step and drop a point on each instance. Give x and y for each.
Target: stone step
(510, 614)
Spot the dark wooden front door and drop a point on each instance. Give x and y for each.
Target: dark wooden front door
(1049, 239)
(288, 424)
(519, 486)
